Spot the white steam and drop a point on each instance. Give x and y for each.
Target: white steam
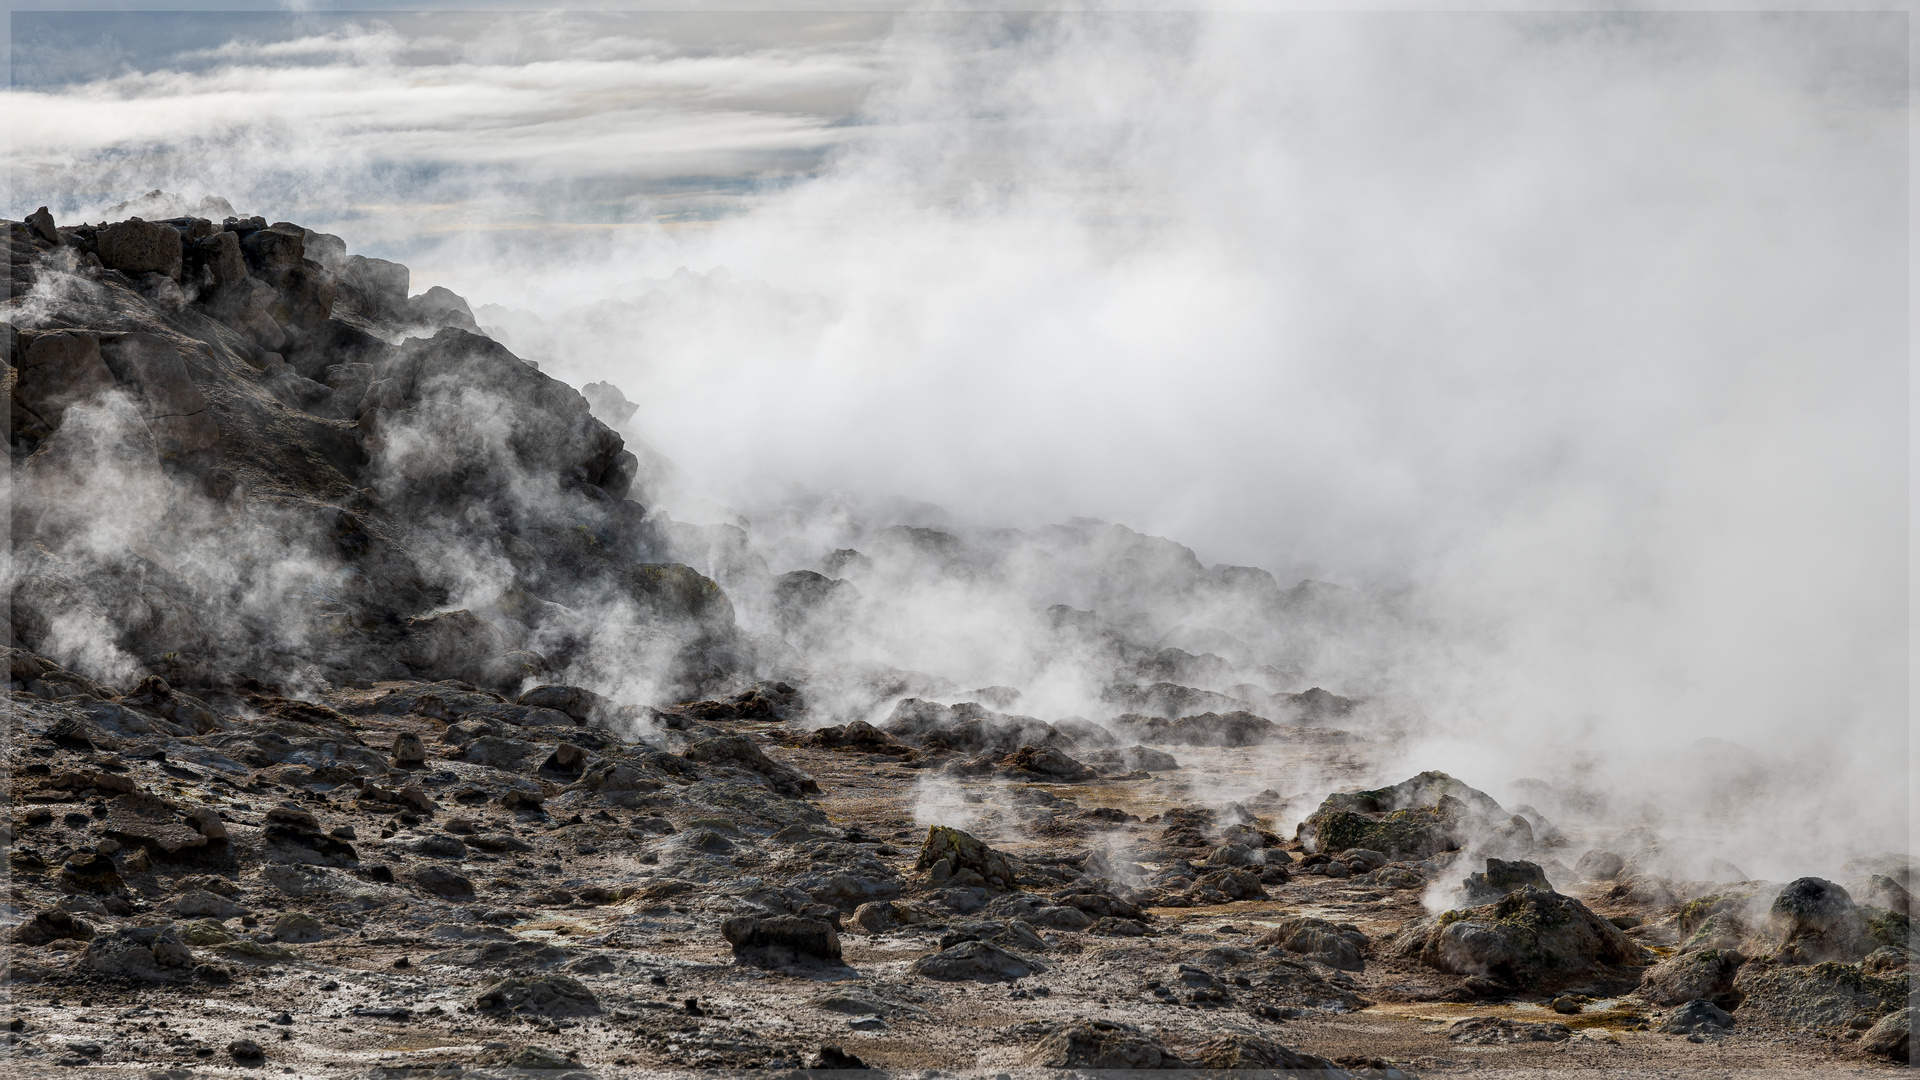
(1577, 343)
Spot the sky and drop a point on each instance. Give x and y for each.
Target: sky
(1591, 325)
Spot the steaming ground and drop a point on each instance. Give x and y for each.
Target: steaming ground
(1573, 344)
(369, 713)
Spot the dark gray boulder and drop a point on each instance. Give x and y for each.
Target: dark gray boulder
(1697, 1017)
(975, 961)
(781, 937)
(1532, 938)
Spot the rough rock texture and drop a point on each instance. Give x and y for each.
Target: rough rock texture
(1532, 938)
(173, 407)
(1891, 1036)
(57, 369)
(1817, 921)
(554, 995)
(139, 247)
(1599, 865)
(948, 853)
(1233, 728)
(1415, 818)
(1829, 995)
(1499, 878)
(977, 961)
(1102, 1044)
(1497, 1030)
(151, 954)
(1252, 1052)
(1697, 1017)
(1808, 921)
(860, 737)
(1336, 946)
(796, 937)
(1701, 974)
(1130, 758)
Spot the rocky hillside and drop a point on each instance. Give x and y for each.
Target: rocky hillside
(246, 459)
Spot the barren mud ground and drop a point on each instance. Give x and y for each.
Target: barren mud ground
(391, 985)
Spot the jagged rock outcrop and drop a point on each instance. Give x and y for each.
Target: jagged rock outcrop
(1425, 815)
(249, 387)
(1531, 938)
(951, 855)
(1831, 995)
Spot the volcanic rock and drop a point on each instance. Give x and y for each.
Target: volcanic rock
(781, 937)
(1817, 921)
(552, 995)
(153, 695)
(1241, 1051)
(1817, 996)
(51, 925)
(1048, 762)
(566, 760)
(1423, 816)
(1364, 861)
(1103, 1044)
(201, 902)
(92, 874)
(741, 752)
(762, 701)
(1698, 1016)
(1500, 878)
(1494, 1031)
(293, 834)
(968, 728)
(1224, 886)
(408, 751)
(1534, 938)
(976, 961)
(441, 882)
(1700, 974)
(164, 830)
(1337, 946)
(860, 736)
(1234, 728)
(175, 410)
(1599, 865)
(57, 370)
(1891, 1036)
(1131, 758)
(298, 927)
(1043, 763)
(43, 226)
(1101, 904)
(150, 953)
(948, 852)
(136, 247)
(583, 705)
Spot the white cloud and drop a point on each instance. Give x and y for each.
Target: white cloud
(364, 99)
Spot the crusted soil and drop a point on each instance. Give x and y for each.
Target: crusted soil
(602, 897)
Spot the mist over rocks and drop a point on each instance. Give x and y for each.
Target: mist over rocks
(360, 666)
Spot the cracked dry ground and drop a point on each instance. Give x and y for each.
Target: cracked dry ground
(542, 911)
